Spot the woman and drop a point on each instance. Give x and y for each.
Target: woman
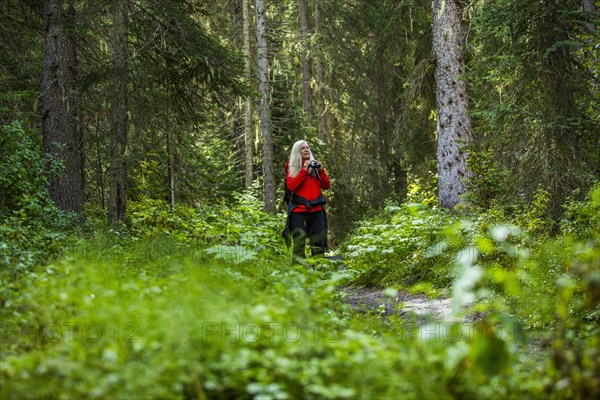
(305, 178)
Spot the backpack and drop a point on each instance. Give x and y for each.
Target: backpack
(287, 197)
(287, 194)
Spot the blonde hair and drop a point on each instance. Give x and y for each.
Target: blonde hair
(296, 158)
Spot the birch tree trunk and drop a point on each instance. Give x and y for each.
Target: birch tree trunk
(453, 122)
(60, 104)
(265, 108)
(119, 122)
(305, 58)
(248, 131)
(322, 125)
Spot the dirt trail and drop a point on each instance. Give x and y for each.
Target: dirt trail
(406, 304)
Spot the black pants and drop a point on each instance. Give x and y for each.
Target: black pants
(312, 225)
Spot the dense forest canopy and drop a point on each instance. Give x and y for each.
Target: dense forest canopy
(163, 126)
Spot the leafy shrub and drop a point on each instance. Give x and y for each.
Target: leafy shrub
(241, 223)
(535, 217)
(398, 247)
(32, 228)
(581, 218)
(552, 287)
(487, 182)
(422, 190)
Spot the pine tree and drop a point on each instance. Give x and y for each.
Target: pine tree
(265, 108)
(453, 121)
(61, 104)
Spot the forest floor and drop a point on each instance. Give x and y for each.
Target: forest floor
(374, 300)
(422, 309)
(365, 299)
(427, 310)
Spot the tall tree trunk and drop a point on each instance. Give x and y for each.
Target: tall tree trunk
(60, 104)
(590, 7)
(248, 131)
(119, 121)
(453, 122)
(382, 119)
(322, 125)
(305, 58)
(83, 145)
(170, 168)
(237, 106)
(99, 166)
(265, 108)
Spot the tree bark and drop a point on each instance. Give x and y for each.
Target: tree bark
(590, 7)
(60, 104)
(170, 168)
(265, 108)
(99, 165)
(382, 119)
(119, 119)
(305, 58)
(322, 124)
(248, 131)
(453, 122)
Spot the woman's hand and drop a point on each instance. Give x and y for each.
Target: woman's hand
(306, 164)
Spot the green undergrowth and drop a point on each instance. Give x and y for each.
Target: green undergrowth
(416, 247)
(162, 318)
(32, 228)
(237, 223)
(395, 248)
(503, 267)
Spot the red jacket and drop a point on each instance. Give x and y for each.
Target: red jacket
(307, 186)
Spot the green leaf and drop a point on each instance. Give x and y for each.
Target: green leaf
(488, 352)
